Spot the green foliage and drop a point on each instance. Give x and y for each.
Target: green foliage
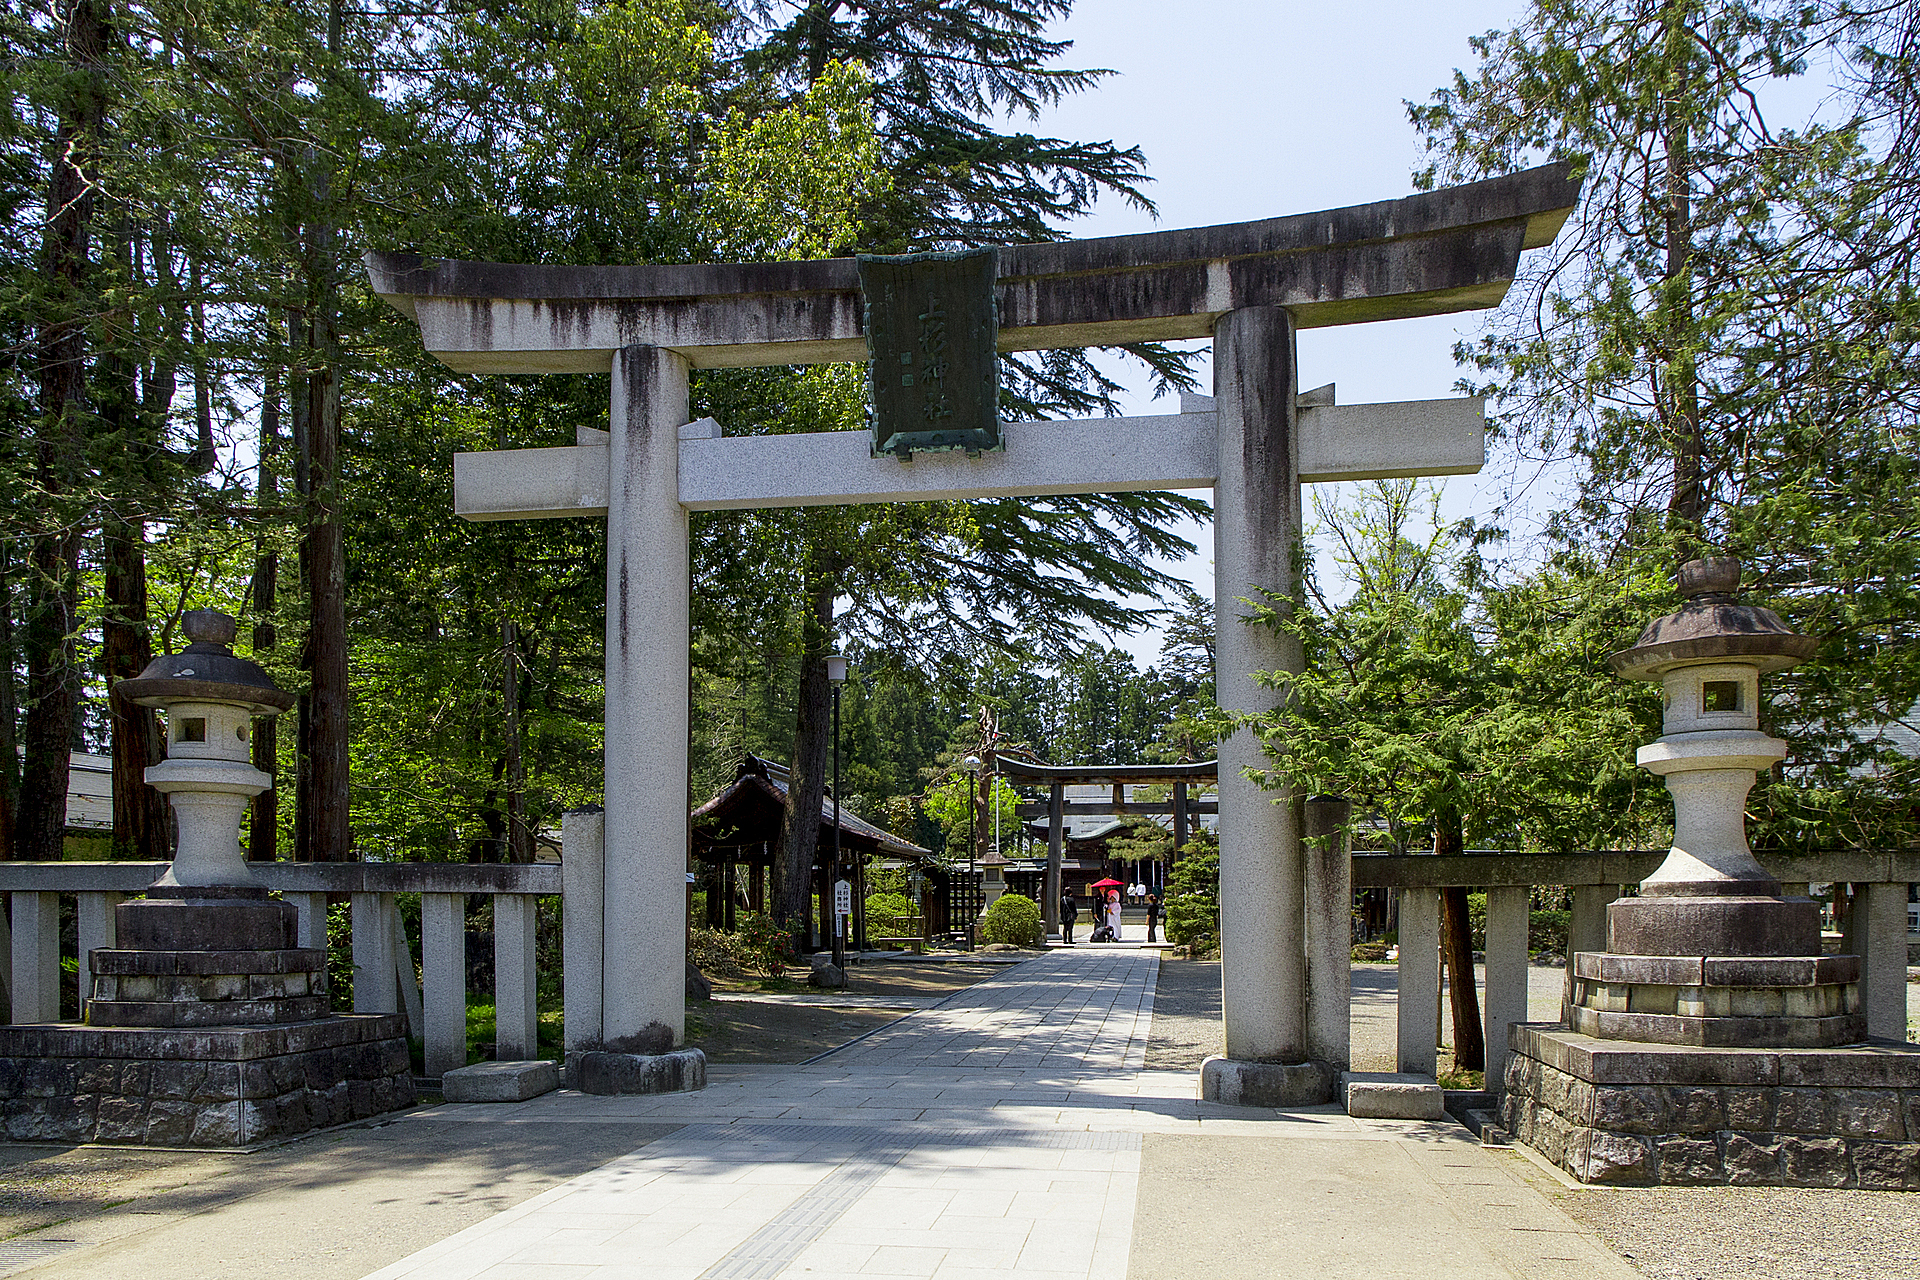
(1723, 345)
(1143, 837)
(885, 880)
(719, 954)
(1013, 918)
(1547, 930)
(768, 942)
(340, 968)
(1432, 705)
(948, 804)
(483, 1021)
(1193, 895)
(887, 913)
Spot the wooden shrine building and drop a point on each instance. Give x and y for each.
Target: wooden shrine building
(736, 836)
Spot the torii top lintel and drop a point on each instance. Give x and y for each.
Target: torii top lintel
(1455, 249)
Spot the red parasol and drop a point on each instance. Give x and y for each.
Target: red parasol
(1108, 883)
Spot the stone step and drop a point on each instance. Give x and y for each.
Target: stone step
(500, 1081)
(1392, 1095)
(1486, 1126)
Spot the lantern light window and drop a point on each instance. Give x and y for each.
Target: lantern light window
(1720, 695)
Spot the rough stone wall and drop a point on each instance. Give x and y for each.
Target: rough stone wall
(201, 1104)
(1751, 1135)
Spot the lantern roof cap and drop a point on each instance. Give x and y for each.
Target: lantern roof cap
(1712, 626)
(206, 671)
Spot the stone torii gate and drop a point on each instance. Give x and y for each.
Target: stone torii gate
(1249, 286)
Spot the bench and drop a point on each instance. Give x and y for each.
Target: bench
(916, 945)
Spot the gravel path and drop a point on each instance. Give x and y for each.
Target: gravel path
(1754, 1233)
(1186, 1015)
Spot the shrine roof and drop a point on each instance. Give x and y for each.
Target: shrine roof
(758, 793)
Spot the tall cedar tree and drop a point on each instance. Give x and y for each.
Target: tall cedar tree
(942, 74)
(66, 308)
(1723, 341)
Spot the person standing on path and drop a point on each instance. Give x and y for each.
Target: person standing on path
(1069, 912)
(1153, 916)
(1113, 912)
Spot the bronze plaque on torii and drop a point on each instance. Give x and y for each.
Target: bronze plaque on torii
(932, 364)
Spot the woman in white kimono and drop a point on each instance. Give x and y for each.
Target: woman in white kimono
(1113, 912)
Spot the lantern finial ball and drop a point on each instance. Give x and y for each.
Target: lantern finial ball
(210, 627)
(1712, 576)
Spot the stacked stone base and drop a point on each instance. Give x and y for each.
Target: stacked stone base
(1236, 1083)
(207, 988)
(201, 1087)
(1623, 1113)
(1801, 1002)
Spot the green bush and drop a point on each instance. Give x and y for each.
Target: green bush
(718, 954)
(1014, 919)
(770, 945)
(1547, 931)
(886, 914)
(1193, 896)
(1546, 928)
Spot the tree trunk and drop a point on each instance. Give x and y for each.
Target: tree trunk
(329, 829)
(1687, 506)
(135, 419)
(263, 815)
(1456, 948)
(53, 677)
(9, 711)
(326, 796)
(519, 833)
(140, 827)
(807, 782)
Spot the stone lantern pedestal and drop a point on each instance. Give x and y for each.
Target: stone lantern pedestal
(993, 879)
(209, 1024)
(1712, 1041)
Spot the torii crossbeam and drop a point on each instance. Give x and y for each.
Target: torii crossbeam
(1249, 286)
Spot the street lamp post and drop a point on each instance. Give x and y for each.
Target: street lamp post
(972, 765)
(837, 676)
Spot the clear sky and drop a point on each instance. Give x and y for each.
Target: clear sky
(1253, 110)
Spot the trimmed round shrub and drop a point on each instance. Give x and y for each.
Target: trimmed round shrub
(1014, 919)
(887, 914)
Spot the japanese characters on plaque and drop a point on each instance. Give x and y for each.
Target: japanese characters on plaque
(932, 364)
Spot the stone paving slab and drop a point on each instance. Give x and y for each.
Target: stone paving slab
(1010, 1130)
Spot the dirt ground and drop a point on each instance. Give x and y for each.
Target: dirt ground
(279, 1211)
(740, 1031)
(1186, 1015)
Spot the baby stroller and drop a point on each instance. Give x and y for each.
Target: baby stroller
(1102, 933)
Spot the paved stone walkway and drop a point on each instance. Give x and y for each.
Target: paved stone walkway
(1005, 1132)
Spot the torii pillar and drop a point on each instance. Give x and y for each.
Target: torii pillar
(1256, 537)
(647, 688)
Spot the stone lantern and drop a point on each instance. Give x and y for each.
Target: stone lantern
(209, 898)
(1712, 1042)
(1710, 905)
(209, 1026)
(993, 878)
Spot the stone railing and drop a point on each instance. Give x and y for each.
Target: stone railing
(1876, 931)
(433, 997)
